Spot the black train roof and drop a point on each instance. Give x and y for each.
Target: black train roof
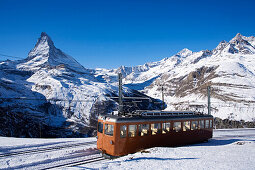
(158, 116)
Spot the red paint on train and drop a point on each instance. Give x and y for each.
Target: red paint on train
(118, 136)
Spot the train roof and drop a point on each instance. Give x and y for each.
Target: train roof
(150, 116)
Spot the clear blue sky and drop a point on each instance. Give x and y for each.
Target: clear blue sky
(111, 33)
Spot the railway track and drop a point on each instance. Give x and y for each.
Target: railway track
(96, 158)
(48, 149)
(75, 158)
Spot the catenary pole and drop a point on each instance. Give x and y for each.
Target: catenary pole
(120, 95)
(162, 97)
(209, 99)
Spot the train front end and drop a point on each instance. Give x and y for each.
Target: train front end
(105, 135)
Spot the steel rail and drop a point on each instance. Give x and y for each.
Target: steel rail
(76, 163)
(48, 149)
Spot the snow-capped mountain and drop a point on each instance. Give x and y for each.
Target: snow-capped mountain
(52, 92)
(56, 90)
(45, 54)
(229, 69)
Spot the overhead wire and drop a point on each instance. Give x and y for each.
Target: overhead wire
(66, 100)
(23, 98)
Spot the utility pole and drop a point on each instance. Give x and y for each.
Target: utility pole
(209, 100)
(120, 113)
(162, 89)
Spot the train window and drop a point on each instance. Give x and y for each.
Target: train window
(108, 129)
(186, 125)
(177, 126)
(165, 127)
(143, 129)
(155, 128)
(211, 122)
(132, 130)
(206, 123)
(100, 127)
(201, 124)
(194, 125)
(123, 131)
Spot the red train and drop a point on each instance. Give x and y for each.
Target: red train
(121, 135)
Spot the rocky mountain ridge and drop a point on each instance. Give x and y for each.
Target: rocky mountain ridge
(228, 69)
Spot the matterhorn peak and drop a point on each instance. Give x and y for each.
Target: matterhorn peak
(45, 39)
(46, 55)
(44, 34)
(44, 46)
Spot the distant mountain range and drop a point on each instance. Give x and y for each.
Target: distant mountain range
(229, 69)
(50, 94)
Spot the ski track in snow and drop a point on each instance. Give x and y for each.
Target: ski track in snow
(228, 149)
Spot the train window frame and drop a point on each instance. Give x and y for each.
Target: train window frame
(201, 124)
(100, 127)
(132, 133)
(177, 128)
(123, 132)
(186, 126)
(194, 125)
(207, 124)
(106, 127)
(155, 130)
(211, 123)
(166, 127)
(143, 129)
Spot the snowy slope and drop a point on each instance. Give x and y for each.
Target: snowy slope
(45, 75)
(228, 69)
(56, 89)
(228, 149)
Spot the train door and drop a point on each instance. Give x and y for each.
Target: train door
(100, 135)
(108, 140)
(121, 136)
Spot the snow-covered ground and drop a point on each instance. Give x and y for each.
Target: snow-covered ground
(229, 149)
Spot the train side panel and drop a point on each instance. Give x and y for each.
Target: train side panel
(123, 142)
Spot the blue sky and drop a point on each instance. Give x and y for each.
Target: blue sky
(110, 33)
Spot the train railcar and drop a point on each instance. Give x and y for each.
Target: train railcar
(121, 135)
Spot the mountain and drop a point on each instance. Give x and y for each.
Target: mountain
(50, 94)
(229, 69)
